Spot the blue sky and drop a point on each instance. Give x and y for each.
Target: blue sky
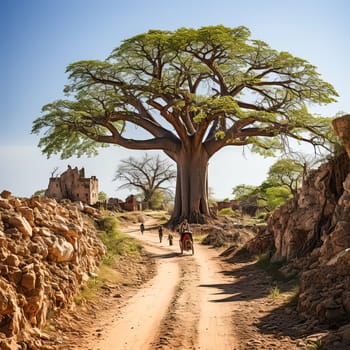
(39, 38)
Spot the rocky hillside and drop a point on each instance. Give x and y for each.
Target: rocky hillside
(47, 251)
(311, 232)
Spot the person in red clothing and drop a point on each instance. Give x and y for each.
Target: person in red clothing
(185, 229)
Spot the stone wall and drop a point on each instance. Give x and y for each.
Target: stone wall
(47, 251)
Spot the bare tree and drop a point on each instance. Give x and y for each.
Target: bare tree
(147, 175)
(54, 171)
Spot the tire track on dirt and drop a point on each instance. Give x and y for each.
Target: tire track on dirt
(196, 318)
(137, 325)
(215, 323)
(179, 329)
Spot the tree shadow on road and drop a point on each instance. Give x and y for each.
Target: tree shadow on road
(252, 287)
(166, 255)
(248, 283)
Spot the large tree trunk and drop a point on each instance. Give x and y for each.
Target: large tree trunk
(191, 198)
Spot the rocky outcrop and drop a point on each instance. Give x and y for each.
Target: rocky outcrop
(341, 128)
(47, 251)
(295, 229)
(221, 235)
(324, 289)
(311, 233)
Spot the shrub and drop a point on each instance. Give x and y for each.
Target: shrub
(226, 212)
(274, 292)
(117, 244)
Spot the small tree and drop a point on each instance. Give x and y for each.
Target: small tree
(39, 193)
(54, 171)
(276, 196)
(266, 196)
(284, 178)
(102, 196)
(157, 199)
(150, 176)
(242, 191)
(287, 172)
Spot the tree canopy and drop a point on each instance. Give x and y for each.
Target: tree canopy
(283, 180)
(192, 92)
(287, 172)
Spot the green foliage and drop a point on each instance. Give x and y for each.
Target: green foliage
(262, 216)
(39, 193)
(72, 128)
(116, 242)
(214, 79)
(102, 196)
(242, 191)
(316, 345)
(226, 212)
(268, 195)
(265, 146)
(104, 274)
(276, 196)
(283, 180)
(274, 292)
(157, 199)
(220, 135)
(286, 172)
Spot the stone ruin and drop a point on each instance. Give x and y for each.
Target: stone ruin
(73, 185)
(130, 204)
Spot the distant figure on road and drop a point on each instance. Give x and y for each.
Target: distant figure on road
(170, 239)
(160, 232)
(142, 228)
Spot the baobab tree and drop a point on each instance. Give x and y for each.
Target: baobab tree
(193, 92)
(148, 175)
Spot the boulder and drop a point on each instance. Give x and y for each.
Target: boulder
(5, 194)
(61, 251)
(19, 222)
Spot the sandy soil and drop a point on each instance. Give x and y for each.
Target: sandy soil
(178, 308)
(201, 302)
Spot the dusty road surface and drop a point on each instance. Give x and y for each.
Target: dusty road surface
(179, 308)
(199, 302)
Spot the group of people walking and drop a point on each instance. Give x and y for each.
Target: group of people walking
(160, 233)
(184, 228)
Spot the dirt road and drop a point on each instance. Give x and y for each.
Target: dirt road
(180, 308)
(199, 302)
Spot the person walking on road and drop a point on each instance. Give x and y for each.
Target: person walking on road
(160, 232)
(170, 239)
